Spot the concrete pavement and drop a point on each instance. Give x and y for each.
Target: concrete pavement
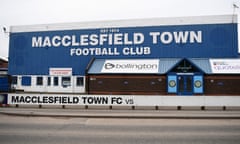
(145, 114)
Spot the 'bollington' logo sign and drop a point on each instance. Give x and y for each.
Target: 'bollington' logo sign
(131, 66)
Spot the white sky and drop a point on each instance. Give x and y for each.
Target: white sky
(25, 12)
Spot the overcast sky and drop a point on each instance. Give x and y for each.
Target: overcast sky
(25, 12)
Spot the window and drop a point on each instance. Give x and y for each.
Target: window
(49, 81)
(14, 80)
(55, 81)
(39, 81)
(66, 81)
(26, 81)
(79, 81)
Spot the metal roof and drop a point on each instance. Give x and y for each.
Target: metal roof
(202, 63)
(96, 66)
(214, 19)
(3, 58)
(167, 64)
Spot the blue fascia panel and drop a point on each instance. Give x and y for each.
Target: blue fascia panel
(33, 53)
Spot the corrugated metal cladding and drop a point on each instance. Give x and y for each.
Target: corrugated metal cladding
(96, 66)
(202, 64)
(166, 64)
(34, 52)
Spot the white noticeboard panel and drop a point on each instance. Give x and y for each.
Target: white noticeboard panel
(60, 71)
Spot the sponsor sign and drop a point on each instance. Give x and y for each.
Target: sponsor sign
(131, 66)
(60, 71)
(223, 66)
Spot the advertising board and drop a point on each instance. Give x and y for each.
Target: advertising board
(225, 66)
(131, 66)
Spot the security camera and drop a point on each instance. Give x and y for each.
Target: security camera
(4, 29)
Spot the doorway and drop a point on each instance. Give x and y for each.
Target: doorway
(185, 78)
(185, 84)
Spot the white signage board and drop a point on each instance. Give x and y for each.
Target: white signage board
(225, 66)
(131, 66)
(121, 100)
(60, 71)
(3, 73)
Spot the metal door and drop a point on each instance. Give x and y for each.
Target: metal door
(185, 84)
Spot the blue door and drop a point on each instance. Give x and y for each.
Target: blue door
(185, 84)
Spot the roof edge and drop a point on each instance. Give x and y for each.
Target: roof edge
(4, 58)
(213, 19)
